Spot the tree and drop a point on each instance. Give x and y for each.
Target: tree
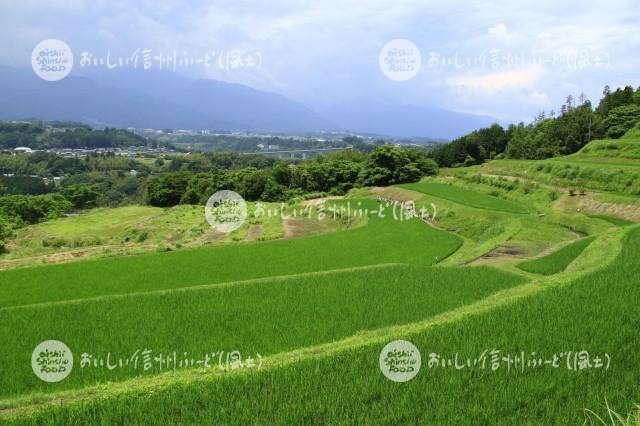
(621, 119)
(81, 196)
(166, 190)
(388, 165)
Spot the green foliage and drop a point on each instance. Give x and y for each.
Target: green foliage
(551, 137)
(334, 174)
(388, 165)
(17, 185)
(167, 190)
(45, 164)
(621, 119)
(82, 196)
(24, 209)
(548, 136)
(473, 148)
(37, 135)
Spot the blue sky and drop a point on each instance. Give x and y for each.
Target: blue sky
(327, 51)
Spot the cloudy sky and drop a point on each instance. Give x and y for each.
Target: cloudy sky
(506, 59)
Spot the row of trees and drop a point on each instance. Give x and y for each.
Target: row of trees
(548, 135)
(336, 174)
(234, 143)
(45, 164)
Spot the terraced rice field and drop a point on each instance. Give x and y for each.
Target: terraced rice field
(346, 386)
(266, 317)
(368, 245)
(315, 312)
(558, 260)
(466, 197)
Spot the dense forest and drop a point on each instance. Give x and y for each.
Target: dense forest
(49, 135)
(549, 135)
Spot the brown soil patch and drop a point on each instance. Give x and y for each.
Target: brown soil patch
(588, 205)
(295, 227)
(255, 232)
(499, 254)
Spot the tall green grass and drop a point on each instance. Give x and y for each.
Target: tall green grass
(264, 317)
(579, 172)
(612, 220)
(382, 240)
(557, 261)
(597, 313)
(466, 197)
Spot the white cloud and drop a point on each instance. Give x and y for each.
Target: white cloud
(498, 30)
(496, 82)
(327, 51)
(537, 97)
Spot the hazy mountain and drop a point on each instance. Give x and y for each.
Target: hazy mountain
(82, 99)
(167, 100)
(248, 108)
(138, 100)
(387, 118)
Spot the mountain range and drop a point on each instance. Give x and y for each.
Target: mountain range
(168, 100)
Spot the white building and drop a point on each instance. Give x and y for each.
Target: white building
(23, 149)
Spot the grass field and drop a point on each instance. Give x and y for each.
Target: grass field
(368, 245)
(611, 166)
(348, 386)
(266, 317)
(611, 219)
(132, 227)
(558, 260)
(466, 197)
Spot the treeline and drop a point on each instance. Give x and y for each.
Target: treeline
(20, 210)
(45, 164)
(228, 143)
(39, 135)
(549, 135)
(336, 174)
